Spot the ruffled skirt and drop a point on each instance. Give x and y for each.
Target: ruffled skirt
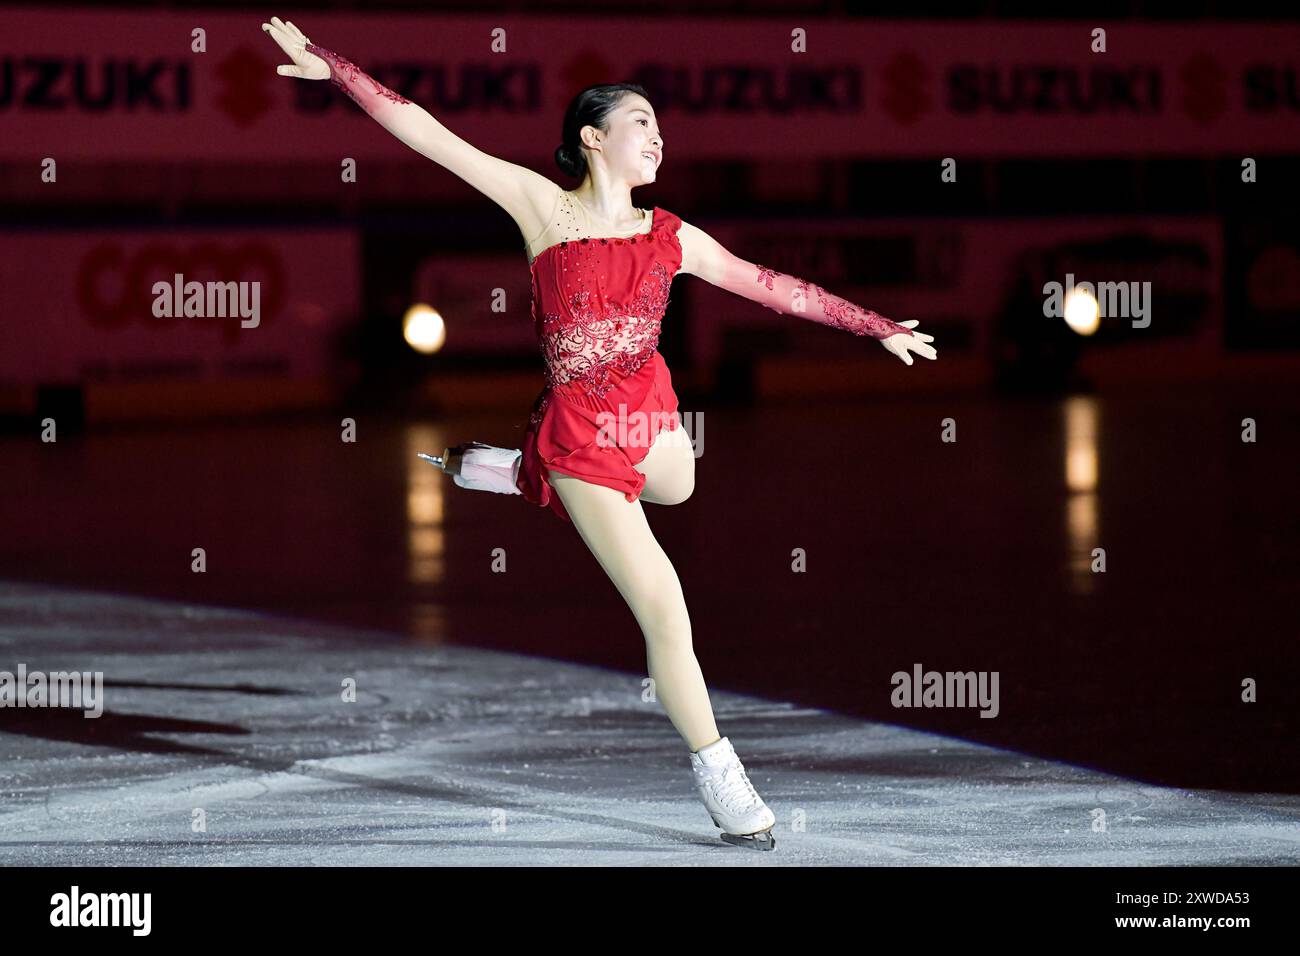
(597, 439)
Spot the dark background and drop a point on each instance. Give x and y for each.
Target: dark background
(971, 556)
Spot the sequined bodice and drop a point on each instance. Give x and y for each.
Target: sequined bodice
(598, 303)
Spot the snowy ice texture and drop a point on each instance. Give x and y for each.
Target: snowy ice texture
(460, 756)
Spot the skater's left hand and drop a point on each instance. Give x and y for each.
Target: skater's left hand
(306, 65)
(900, 343)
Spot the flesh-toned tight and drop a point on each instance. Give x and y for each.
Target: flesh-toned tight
(618, 534)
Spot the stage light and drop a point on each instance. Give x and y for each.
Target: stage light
(423, 328)
(1082, 312)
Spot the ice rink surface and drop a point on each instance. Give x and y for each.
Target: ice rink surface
(499, 716)
(460, 756)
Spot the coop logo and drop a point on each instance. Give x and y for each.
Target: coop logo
(103, 909)
(208, 300)
(64, 84)
(35, 689)
(1124, 300)
(1051, 90)
(157, 283)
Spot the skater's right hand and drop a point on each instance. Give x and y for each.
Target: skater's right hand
(306, 65)
(899, 343)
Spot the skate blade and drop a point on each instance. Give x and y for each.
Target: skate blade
(754, 841)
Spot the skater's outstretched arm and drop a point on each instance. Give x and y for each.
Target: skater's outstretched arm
(704, 256)
(526, 195)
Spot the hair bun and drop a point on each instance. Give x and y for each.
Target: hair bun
(570, 163)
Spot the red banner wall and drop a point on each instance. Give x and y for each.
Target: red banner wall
(78, 305)
(114, 85)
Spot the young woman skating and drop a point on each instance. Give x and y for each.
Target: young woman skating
(604, 433)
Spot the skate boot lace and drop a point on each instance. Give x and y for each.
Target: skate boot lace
(733, 789)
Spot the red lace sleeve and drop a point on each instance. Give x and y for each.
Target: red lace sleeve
(367, 92)
(791, 296)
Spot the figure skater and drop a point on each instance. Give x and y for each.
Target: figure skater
(603, 434)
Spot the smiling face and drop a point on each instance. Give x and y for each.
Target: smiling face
(631, 147)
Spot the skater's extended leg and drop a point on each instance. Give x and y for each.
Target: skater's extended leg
(617, 533)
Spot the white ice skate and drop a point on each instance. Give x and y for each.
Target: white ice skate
(730, 798)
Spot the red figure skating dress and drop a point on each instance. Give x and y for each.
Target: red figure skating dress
(597, 304)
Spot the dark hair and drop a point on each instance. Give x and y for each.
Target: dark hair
(591, 107)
